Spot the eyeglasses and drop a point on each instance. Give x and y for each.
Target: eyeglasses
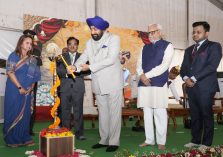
(153, 32)
(73, 44)
(197, 32)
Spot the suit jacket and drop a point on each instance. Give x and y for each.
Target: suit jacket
(203, 66)
(105, 66)
(67, 83)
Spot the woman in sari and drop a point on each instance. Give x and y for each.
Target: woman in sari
(22, 74)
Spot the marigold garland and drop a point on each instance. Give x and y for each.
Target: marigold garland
(62, 132)
(57, 100)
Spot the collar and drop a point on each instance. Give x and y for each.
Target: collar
(72, 54)
(200, 43)
(154, 42)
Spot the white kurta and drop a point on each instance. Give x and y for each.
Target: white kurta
(174, 90)
(150, 96)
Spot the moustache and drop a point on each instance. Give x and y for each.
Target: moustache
(96, 35)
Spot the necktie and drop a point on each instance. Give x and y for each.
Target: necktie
(195, 50)
(72, 58)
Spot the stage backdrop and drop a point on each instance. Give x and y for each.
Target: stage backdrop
(53, 34)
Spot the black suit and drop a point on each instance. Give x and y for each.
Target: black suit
(203, 66)
(71, 95)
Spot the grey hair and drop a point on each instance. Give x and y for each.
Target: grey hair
(159, 26)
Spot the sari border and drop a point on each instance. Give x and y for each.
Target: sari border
(14, 145)
(17, 119)
(29, 143)
(21, 63)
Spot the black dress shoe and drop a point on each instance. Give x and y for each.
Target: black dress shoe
(96, 146)
(138, 128)
(111, 148)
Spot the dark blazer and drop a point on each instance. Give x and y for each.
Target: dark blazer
(67, 83)
(203, 66)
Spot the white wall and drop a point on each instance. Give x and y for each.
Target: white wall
(138, 14)
(135, 14)
(206, 11)
(11, 11)
(8, 40)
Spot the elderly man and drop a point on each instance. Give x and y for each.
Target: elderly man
(102, 52)
(152, 67)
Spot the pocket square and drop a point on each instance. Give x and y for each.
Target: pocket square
(104, 46)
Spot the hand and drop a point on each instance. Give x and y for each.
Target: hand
(189, 82)
(71, 69)
(85, 67)
(22, 91)
(145, 80)
(172, 76)
(29, 90)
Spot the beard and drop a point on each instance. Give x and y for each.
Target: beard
(151, 39)
(97, 37)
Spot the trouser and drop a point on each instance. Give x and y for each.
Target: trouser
(75, 100)
(33, 110)
(202, 120)
(160, 118)
(110, 110)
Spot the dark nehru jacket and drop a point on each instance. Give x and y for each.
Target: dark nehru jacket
(152, 56)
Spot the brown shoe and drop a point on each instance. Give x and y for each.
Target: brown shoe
(161, 147)
(144, 144)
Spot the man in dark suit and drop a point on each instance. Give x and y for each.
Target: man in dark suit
(199, 72)
(71, 90)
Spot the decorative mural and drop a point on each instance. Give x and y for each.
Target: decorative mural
(52, 35)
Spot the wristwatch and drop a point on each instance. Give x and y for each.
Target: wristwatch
(19, 87)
